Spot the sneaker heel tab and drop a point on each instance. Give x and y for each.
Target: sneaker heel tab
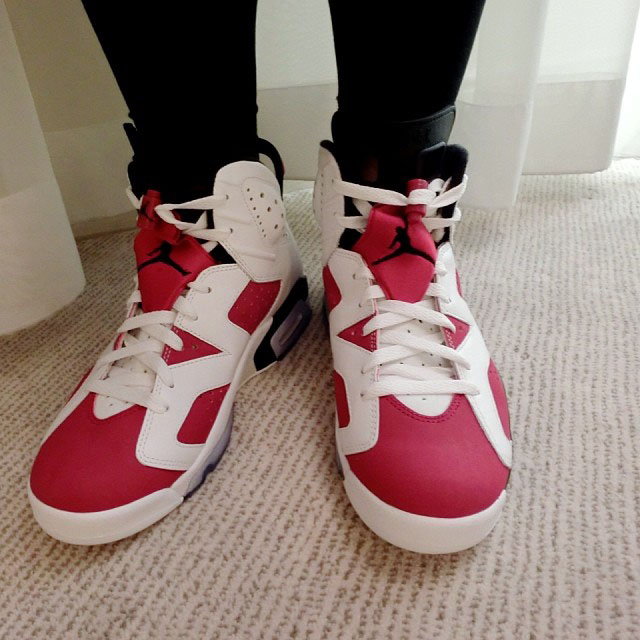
(268, 149)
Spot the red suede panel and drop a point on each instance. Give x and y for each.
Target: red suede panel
(331, 291)
(441, 466)
(167, 260)
(454, 340)
(342, 404)
(354, 335)
(399, 250)
(253, 304)
(164, 270)
(193, 348)
(201, 416)
(88, 464)
(500, 397)
(149, 219)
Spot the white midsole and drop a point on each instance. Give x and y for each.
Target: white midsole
(101, 527)
(422, 534)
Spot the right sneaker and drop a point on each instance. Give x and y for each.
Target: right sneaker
(422, 426)
(217, 301)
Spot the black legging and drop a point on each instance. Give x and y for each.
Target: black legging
(187, 72)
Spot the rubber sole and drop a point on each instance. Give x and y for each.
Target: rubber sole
(274, 339)
(421, 534)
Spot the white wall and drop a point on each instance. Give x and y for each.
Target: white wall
(294, 44)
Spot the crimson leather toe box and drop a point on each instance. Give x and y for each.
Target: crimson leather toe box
(438, 466)
(88, 464)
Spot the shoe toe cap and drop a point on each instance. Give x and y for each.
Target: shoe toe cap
(89, 464)
(441, 466)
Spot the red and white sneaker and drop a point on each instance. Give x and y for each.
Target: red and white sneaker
(422, 426)
(214, 305)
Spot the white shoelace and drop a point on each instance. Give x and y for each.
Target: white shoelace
(132, 368)
(397, 348)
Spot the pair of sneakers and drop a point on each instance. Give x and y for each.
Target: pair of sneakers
(422, 427)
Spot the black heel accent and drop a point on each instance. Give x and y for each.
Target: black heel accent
(289, 322)
(325, 316)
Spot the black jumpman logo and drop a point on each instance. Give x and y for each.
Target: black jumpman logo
(164, 256)
(404, 241)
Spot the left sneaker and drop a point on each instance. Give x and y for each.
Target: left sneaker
(217, 301)
(422, 426)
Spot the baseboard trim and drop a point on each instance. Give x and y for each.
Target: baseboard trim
(104, 225)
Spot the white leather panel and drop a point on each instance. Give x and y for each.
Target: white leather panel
(158, 445)
(348, 359)
(255, 211)
(457, 308)
(484, 405)
(327, 203)
(474, 349)
(265, 206)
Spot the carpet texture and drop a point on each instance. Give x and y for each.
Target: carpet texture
(269, 547)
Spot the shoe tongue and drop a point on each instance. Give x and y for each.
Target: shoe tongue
(398, 249)
(167, 260)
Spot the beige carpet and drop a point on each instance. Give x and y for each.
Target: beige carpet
(270, 548)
